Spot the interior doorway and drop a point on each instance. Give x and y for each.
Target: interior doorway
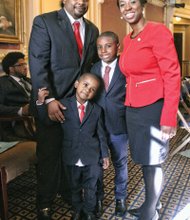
(178, 40)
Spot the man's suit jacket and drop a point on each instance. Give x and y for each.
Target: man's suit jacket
(53, 54)
(112, 101)
(86, 140)
(12, 95)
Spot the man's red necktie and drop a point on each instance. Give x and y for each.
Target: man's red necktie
(106, 77)
(82, 112)
(76, 26)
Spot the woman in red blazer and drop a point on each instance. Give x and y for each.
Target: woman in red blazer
(150, 64)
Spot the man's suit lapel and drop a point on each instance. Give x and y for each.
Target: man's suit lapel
(68, 33)
(88, 35)
(18, 86)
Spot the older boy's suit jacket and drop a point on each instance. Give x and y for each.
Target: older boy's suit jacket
(112, 101)
(12, 96)
(86, 140)
(53, 54)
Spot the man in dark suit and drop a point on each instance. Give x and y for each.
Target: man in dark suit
(55, 63)
(14, 95)
(82, 148)
(111, 99)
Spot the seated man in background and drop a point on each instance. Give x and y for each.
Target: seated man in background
(15, 89)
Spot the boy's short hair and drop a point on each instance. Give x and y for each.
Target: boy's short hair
(111, 34)
(97, 78)
(90, 75)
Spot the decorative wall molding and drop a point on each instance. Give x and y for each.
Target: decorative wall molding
(94, 14)
(100, 1)
(2, 55)
(182, 12)
(159, 3)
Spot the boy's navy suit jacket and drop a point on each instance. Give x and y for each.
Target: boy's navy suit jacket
(112, 101)
(86, 140)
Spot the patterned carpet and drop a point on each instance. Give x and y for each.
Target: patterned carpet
(175, 195)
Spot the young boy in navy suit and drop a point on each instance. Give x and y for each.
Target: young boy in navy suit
(84, 143)
(111, 99)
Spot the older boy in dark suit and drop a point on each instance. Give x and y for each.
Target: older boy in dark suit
(111, 99)
(84, 144)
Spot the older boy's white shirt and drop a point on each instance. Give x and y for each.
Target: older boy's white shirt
(79, 162)
(111, 65)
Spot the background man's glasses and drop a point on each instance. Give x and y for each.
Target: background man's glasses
(22, 64)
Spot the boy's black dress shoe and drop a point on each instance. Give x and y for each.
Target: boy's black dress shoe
(136, 212)
(120, 208)
(99, 208)
(44, 214)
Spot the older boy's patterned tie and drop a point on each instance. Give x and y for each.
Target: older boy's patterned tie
(82, 112)
(76, 26)
(106, 77)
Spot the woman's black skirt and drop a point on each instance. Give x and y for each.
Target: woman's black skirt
(143, 124)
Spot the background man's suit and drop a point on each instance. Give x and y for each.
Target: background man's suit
(12, 98)
(112, 101)
(55, 64)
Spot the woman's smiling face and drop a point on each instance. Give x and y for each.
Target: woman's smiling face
(131, 10)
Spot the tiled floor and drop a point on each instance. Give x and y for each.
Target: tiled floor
(175, 195)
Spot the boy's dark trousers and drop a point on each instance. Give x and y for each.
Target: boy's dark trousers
(118, 149)
(83, 182)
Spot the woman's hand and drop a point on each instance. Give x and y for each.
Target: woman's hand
(168, 132)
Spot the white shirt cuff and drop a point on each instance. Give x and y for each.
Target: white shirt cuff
(49, 100)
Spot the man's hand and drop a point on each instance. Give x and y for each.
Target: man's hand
(55, 111)
(25, 110)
